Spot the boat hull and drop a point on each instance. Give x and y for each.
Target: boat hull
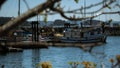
(84, 40)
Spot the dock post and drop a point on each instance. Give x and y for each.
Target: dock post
(35, 35)
(3, 66)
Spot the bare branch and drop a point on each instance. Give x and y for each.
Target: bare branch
(69, 18)
(117, 12)
(72, 18)
(75, 10)
(49, 4)
(26, 4)
(90, 6)
(1, 2)
(30, 13)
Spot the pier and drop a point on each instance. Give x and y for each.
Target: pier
(33, 45)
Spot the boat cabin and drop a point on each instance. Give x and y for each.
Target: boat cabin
(82, 33)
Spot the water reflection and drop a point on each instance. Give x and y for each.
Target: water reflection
(31, 57)
(11, 60)
(27, 59)
(35, 57)
(59, 57)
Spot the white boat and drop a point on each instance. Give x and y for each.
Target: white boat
(45, 39)
(83, 35)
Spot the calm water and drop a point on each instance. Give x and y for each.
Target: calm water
(59, 57)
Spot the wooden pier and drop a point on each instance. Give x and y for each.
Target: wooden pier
(18, 46)
(28, 45)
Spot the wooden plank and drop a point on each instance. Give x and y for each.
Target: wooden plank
(45, 44)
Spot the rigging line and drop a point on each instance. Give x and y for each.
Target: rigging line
(26, 4)
(84, 8)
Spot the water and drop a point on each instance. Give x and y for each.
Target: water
(60, 56)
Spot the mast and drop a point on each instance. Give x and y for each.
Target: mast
(84, 8)
(18, 7)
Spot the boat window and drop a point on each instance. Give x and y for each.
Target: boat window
(81, 34)
(98, 32)
(75, 33)
(92, 33)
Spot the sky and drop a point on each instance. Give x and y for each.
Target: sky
(10, 9)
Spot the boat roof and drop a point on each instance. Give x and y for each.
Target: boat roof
(88, 29)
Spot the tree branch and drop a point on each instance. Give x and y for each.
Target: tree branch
(30, 13)
(63, 14)
(90, 6)
(75, 10)
(48, 4)
(73, 18)
(1, 2)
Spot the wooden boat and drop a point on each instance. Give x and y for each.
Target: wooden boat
(83, 35)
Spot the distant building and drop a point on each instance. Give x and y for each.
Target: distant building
(58, 23)
(17, 32)
(116, 24)
(91, 23)
(4, 20)
(62, 23)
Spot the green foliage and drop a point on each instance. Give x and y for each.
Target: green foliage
(110, 20)
(45, 18)
(73, 64)
(76, 1)
(88, 64)
(111, 60)
(114, 62)
(118, 58)
(41, 12)
(58, 5)
(108, 6)
(44, 65)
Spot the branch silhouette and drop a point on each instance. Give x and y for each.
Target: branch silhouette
(50, 4)
(30, 13)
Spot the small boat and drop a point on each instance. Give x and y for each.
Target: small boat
(83, 35)
(45, 39)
